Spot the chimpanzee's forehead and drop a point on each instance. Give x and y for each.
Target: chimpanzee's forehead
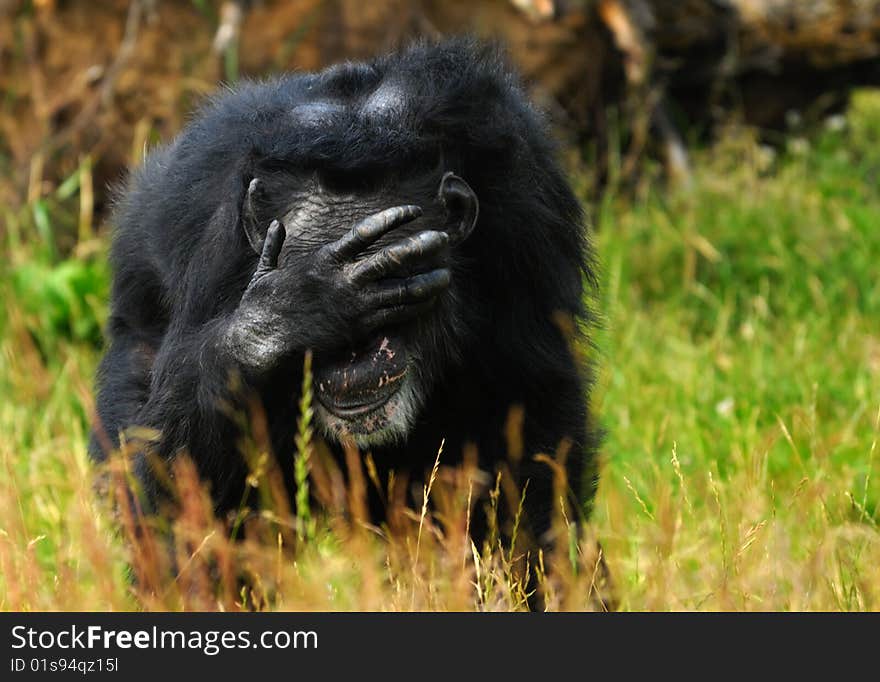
(383, 103)
(389, 99)
(316, 113)
(373, 122)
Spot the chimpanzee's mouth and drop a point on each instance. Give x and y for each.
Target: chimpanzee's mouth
(354, 386)
(354, 411)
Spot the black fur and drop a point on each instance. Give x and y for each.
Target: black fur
(493, 341)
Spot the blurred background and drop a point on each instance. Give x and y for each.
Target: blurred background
(94, 82)
(97, 81)
(728, 154)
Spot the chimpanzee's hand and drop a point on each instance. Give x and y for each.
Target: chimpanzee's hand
(392, 285)
(337, 293)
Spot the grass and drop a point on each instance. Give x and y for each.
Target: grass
(738, 380)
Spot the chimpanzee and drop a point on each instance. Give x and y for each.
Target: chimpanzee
(405, 220)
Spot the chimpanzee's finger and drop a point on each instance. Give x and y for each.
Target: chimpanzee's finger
(385, 317)
(413, 289)
(271, 250)
(369, 230)
(253, 190)
(275, 237)
(249, 217)
(406, 252)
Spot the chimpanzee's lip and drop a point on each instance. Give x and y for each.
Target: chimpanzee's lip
(351, 411)
(355, 384)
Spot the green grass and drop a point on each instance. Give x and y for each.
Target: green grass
(742, 335)
(738, 381)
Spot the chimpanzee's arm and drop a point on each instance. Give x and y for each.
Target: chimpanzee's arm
(123, 384)
(173, 388)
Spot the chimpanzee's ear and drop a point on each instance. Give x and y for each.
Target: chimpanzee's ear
(249, 222)
(462, 205)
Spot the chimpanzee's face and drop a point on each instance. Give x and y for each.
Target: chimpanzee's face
(371, 385)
